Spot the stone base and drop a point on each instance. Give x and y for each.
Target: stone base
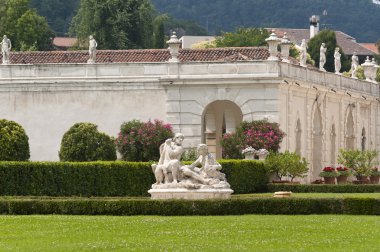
(282, 194)
(182, 193)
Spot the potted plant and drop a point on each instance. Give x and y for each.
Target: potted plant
(360, 162)
(375, 176)
(286, 164)
(329, 174)
(344, 173)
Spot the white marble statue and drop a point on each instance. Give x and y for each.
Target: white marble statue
(204, 173)
(322, 57)
(303, 53)
(354, 65)
(92, 50)
(167, 169)
(337, 62)
(6, 47)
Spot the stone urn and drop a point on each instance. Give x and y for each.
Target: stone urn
(262, 153)
(249, 153)
(329, 180)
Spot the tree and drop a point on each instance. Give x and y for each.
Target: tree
(26, 29)
(159, 31)
(14, 143)
(328, 37)
(116, 24)
(243, 37)
(83, 142)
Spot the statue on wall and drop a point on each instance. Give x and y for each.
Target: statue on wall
(303, 53)
(322, 57)
(92, 50)
(354, 65)
(204, 173)
(6, 47)
(337, 62)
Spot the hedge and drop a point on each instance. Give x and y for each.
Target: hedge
(292, 206)
(315, 188)
(108, 178)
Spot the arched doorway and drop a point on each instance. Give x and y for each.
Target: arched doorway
(298, 136)
(333, 145)
(219, 117)
(364, 139)
(317, 142)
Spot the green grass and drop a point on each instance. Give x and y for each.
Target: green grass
(216, 233)
(313, 195)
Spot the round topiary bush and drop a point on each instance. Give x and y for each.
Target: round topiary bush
(14, 145)
(83, 142)
(139, 141)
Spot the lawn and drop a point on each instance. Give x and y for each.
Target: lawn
(207, 233)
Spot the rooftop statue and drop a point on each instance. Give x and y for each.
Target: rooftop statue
(322, 57)
(303, 55)
(6, 47)
(92, 50)
(354, 65)
(337, 62)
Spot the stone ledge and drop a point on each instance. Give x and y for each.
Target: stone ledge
(190, 194)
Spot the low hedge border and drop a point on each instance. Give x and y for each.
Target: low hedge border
(109, 178)
(346, 188)
(292, 206)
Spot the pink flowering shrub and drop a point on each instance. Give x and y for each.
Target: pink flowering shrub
(257, 134)
(139, 141)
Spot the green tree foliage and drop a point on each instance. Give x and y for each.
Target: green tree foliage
(328, 37)
(184, 27)
(159, 40)
(14, 145)
(342, 15)
(116, 24)
(26, 29)
(139, 141)
(83, 142)
(58, 13)
(361, 162)
(243, 37)
(287, 163)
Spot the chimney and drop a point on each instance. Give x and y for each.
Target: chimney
(314, 26)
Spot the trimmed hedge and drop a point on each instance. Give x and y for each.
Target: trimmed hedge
(346, 188)
(362, 206)
(108, 178)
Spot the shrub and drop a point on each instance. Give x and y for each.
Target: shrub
(14, 145)
(109, 178)
(290, 206)
(138, 141)
(361, 162)
(83, 142)
(324, 188)
(257, 134)
(287, 163)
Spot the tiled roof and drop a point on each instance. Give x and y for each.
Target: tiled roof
(151, 55)
(348, 43)
(371, 46)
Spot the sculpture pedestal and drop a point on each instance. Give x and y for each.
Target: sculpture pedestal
(190, 194)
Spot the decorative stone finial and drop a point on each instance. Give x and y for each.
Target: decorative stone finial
(367, 66)
(6, 47)
(174, 45)
(285, 47)
(273, 42)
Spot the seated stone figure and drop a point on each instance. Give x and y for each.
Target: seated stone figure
(167, 169)
(209, 172)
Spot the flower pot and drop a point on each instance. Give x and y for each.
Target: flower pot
(329, 180)
(374, 179)
(342, 179)
(361, 180)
